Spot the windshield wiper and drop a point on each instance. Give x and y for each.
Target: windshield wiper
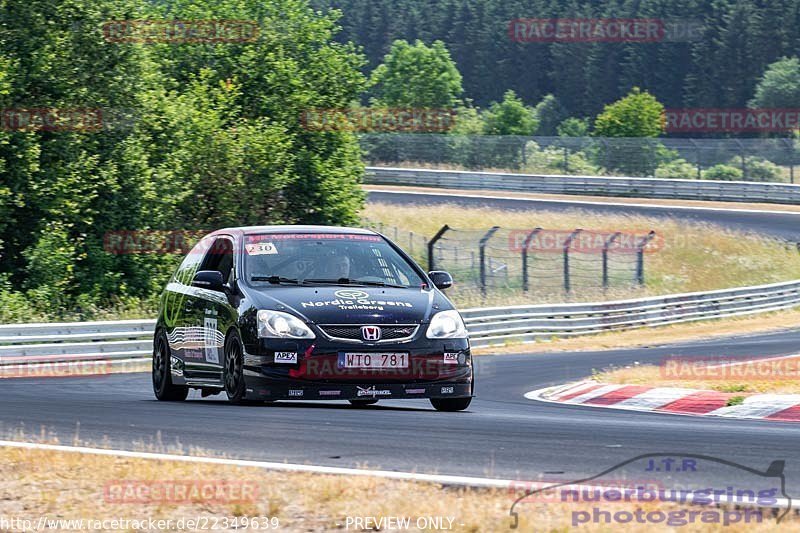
(350, 281)
(275, 280)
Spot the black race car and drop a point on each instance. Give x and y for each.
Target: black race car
(309, 313)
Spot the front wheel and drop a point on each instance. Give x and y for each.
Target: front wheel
(233, 371)
(163, 387)
(450, 404)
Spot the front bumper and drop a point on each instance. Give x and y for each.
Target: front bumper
(259, 387)
(317, 375)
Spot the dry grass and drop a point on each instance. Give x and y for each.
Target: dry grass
(71, 486)
(690, 257)
(673, 334)
(726, 380)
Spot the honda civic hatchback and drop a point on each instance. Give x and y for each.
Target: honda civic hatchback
(309, 313)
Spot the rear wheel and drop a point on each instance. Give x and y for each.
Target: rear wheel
(450, 404)
(162, 378)
(362, 403)
(233, 371)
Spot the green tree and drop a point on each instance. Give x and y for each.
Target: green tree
(216, 138)
(292, 67)
(417, 76)
(509, 117)
(779, 87)
(467, 121)
(723, 173)
(549, 113)
(637, 115)
(574, 127)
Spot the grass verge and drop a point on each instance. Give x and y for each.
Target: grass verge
(749, 378)
(73, 486)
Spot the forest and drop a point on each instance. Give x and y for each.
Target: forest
(714, 58)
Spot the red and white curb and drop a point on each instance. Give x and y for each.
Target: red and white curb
(779, 407)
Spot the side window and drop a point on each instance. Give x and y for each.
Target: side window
(191, 264)
(220, 258)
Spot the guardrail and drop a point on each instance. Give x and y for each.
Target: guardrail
(131, 340)
(529, 323)
(723, 191)
(61, 348)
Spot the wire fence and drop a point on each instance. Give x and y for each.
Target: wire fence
(764, 160)
(535, 261)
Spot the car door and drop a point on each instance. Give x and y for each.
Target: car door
(181, 320)
(213, 312)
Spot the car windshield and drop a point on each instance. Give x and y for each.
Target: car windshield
(326, 259)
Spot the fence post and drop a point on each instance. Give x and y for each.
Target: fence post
(640, 257)
(524, 155)
(525, 246)
(567, 244)
(790, 145)
(697, 155)
(606, 245)
(744, 159)
(432, 243)
(482, 256)
(566, 160)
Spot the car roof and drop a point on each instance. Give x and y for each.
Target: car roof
(251, 230)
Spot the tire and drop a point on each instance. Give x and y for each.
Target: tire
(233, 371)
(450, 404)
(362, 403)
(163, 387)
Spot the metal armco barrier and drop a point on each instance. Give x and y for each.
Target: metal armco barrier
(722, 191)
(132, 339)
(64, 343)
(530, 323)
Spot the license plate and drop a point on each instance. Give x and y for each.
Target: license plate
(373, 360)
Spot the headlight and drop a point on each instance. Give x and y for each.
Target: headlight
(447, 325)
(278, 325)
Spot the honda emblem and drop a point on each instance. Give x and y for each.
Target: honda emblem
(371, 333)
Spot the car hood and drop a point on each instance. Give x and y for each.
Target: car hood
(357, 305)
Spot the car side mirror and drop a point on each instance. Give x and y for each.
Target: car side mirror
(441, 279)
(209, 279)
